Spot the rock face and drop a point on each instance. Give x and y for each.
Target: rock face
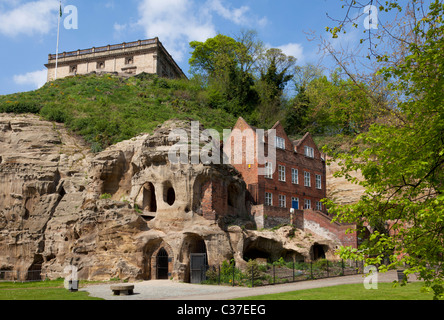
(339, 189)
(126, 212)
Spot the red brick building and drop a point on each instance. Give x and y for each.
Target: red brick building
(298, 180)
(298, 176)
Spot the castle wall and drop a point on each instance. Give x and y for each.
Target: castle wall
(133, 58)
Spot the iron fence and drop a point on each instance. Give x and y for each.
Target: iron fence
(34, 274)
(256, 274)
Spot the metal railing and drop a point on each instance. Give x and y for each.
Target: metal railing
(257, 274)
(22, 276)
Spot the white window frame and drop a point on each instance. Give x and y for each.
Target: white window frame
(268, 199)
(318, 181)
(319, 205)
(282, 201)
(295, 199)
(280, 143)
(281, 171)
(269, 170)
(307, 204)
(294, 176)
(309, 152)
(307, 179)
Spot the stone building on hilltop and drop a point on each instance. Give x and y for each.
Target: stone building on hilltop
(131, 58)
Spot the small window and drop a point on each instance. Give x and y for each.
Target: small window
(309, 152)
(294, 176)
(282, 201)
(269, 170)
(307, 204)
(73, 69)
(280, 143)
(281, 170)
(268, 199)
(318, 181)
(129, 60)
(307, 180)
(318, 205)
(101, 65)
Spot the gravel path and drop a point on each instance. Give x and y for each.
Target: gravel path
(169, 290)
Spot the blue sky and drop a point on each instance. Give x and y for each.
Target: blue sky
(28, 29)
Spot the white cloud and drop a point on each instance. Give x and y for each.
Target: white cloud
(35, 78)
(30, 18)
(177, 22)
(293, 49)
(236, 15)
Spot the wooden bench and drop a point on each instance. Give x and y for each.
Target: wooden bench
(122, 289)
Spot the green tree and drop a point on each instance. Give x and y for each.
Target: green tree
(224, 65)
(297, 115)
(275, 71)
(403, 162)
(337, 105)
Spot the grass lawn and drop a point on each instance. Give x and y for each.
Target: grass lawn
(385, 291)
(44, 290)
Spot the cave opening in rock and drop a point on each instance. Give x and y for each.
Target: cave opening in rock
(169, 195)
(149, 198)
(318, 251)
(162, 264)
(256, 254)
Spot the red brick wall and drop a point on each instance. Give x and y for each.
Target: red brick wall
(325, 222)
(214, 201)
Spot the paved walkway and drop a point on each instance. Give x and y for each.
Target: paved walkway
(169, 290)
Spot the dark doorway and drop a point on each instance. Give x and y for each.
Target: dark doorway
(162, 264)
(318, 252)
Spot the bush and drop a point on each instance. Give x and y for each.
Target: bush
(19, 107)
(54, 113)
(253, 269)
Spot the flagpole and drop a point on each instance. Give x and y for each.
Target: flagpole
(58, 36)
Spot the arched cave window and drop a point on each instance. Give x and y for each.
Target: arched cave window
(149, 197)
(169, 195)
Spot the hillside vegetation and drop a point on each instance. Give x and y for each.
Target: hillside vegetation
(106, 109)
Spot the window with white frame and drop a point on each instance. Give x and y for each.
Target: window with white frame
(318, 181)
(280, 143)
(318, 205)
(309, 152)
(294, 176)
(307, 180)
(307, 204)
(269, 170)
(296, 202)
(282, 201)
(268, 199)
(281, 170)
